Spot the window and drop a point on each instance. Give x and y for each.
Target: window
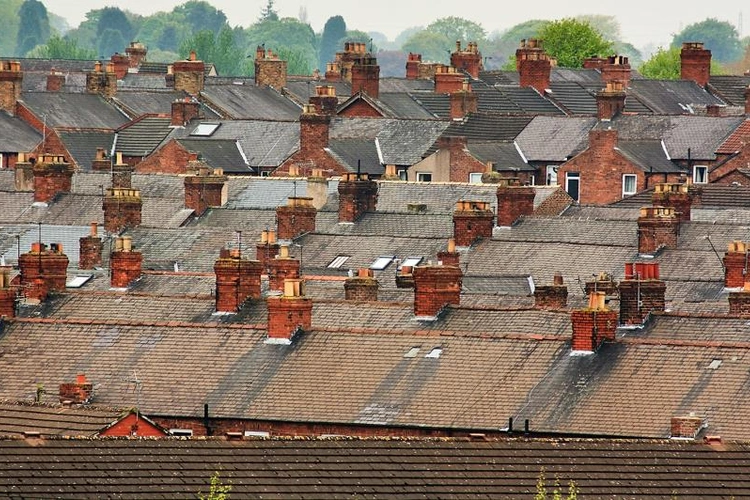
(205, 129)
(410, 261)
(700, 174)
(551, 175)
(181, 432)
(475, 178)
(629, 184)
(381, 262)
(402, 175)
(424, 176)
(338, 262)
(435, 353)
(573, 185)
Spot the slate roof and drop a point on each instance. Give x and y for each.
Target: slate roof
(648, 155)
(53, 420)
(248, 102)
(137, 103)
(141, 137)
(573, 97)
(402, 85)
(435, 104)
(671, 97)
(16, 135)
(403, 142)
(504, 155)
(554, 139)
(485, 127)
(218, 153)
(357, 154)
(404, 106)
(73, 110)
(302, 90)
(372, 468)
(82, 144)
(270, 192)
(529, 100)
(729, 88)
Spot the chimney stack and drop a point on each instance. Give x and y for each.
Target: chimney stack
(136, 53)
(735, 265)
(641, 292)
(412, 66)
(435, 287)
(267, 248)
(363, 287)
(205, 188)
(616, 69)
(78, 393)
(270, 71)
(317, 188)
(237, 279)
(676, 196)
(552, 297)
(281, 268)
(289, 312)
(333, 72)
(52, 176)
(686, 427)
(314, 128)
(449, 257)
(120, 64)
(610, 101)
(43, 270)
(658, 227)
(11, 78)
(189, 75)
(124, 263)
(184, 110)
(55, 80)
(24, 178)
(366, 76)
(468, 60)
(90, 255)
(695, 63)
(325, 100)
(405, 277)
(739, 302)
(121, 173)
(514, 202)
(122, 209)
(295, 218)
(463, 101)
(7, 294)
(593, 325)
(472, 220)
(357, 194)
(448, 79)
(101, 163)
(533, 65)
(102, 80)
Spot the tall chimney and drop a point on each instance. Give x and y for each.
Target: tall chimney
(124, 263)
(658, 227)
(357, 194)
(267, 248)
(325, 100)
(7, 294)
(610, 101)
(122, 209)
(593, 325)
(363, 287)
(468, 60)
(270, 71)
(237, 279)
(412, 66)
(11, 79)
(676, 196)
(641, 292)
(533, 64)
(101, 163)
(514, 202)
(314, 128)
(205, 188)
(736, 264)
(472, 221)
(695, 63)
(55, 80)
(333, 72)
(102, 80)
(450, 256)
(43, 270)
(120, 64)
(52, 176)
(295, 218)
(616, 69)
(136, 53)
(281, 268)
(184, 110)
(463, 101)
(366, 76)
(448, 79)
(739, 302)
(289, 313)
(189, 75)
(553, 297)
(435, 287)
(90, 254)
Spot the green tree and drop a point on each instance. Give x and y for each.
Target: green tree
(501, 47)
(33, 28)
(571, 41)
(719, 37)
(113, 18)
(221, 50)
(434, 47)
(217, 490)
(200, 15)
(111, 41)
(287, 36)
(333, 31)
(458, 29)
(268, 13)
(58, 47)
(665, 64)
(9, 25)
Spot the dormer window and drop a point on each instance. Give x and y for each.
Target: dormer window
(700, 174)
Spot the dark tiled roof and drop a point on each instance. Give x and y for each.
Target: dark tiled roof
(219, 153)
(504, 155)
(496, 77)
(483, 127)
(648, 155)
(82, 144)
(573, 97)
(435, 104)
(671, 97)
(403, 142)
(303, 90)
(404, 106)
(143, 136)
(249, 102)
(729, 88)
(402, 85)
(270, 192)
(554, 139)
(529, 100)
(16, 135)
(73, 110)
(491, 100)
(53, 420)
(357, 154)
(137, 103)
(143, 81)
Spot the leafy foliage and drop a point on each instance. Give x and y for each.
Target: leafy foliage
(113, 31)
(333, 31)
(719, 37)
(433, 46)
(557, 492)
(201, 16)
(268, 13)
(458, 29)
(501, 48)
(33, 26)
(221, 50)
(58, 47)
(217, 490)
(571, 41)
(665, 64)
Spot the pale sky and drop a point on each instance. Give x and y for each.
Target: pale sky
(642, 22)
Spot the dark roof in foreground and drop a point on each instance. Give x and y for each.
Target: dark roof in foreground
(345, 468)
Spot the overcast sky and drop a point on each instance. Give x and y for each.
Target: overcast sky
(642, 22)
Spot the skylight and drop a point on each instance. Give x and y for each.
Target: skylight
(205, 129)
(78, 281)
(338, 261)
(435, 353)
(381, 262)
(411, 261)
(412, 353)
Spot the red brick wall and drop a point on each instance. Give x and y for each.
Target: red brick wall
(355, 198)
(90, 254)
(657, 232)
(739, 304)
(51, 179)
(551, 297)
(203, 192)
(446, 258)
(125, 268)
(591, 328)
(463, 103)
(360, 109)
(469, 226)
(287, 314)
(121, 211)
(412, 66)
(435, 287)
(514, 202)
(7, 302)
(264, 252)
(680, 201)
(361, 289)
(282, 269)
(650, 294)
(49, 266)
(734, 269)
(170, 159)
(462, 163)
(293, 221)
(535, 72)
(695, 63)
(132, 425)
(184, 110)
(685, 427)
(366, 77)
(447, 82)
(236, 281)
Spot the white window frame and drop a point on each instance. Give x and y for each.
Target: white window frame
(382, 262)
(625, 177)
(403, 175)
(338, 261)
(570, 176)
(475, 178)
(181, 432)
(2, 161)
(551, 175)
(698, 178)
(421, 175)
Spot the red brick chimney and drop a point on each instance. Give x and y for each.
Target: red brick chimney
(594, 62)
(124, 263)
(295, 218)
(533, 65)
(686, 427)
(189, 75)
(11, 78)
(405, 277)
(412, 66)
(695, 63)
(289, 313)
(79, 392)
(739, 302)
(463, 101)
(121, 173)
(270, 71)
(673, 195)
(363, 287)
(514, 202)
(357, 195)
(593, 325)
(325, 100)
(102, 80)
(43, 270)
(314, 127)
(237, 279)
(366, 76)
(747, 101)
(281, 268)
(448, 79)
(52, 176)
(472, 220)
(24, 175)
(469, 60)
(333, 72)
(205, 188)
(450, 257)
(90, 254)
(658, 227)
(120, 64)
(616, 69)
(267, 248)
(736, 261)
(136, 53)
(435, 287)
(122, 209)
(641, 292)
(7, 294)
(184, 110)
(610, 101)
(101, 163)
(55, 80)
(552, 297)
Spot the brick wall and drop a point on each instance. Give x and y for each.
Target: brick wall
(184, 110)
(657, 228)
(295, 218)
(591, 328)
(739, 303)
(189, 75)
(363, 287)
(360, 109)
(288, 314)
(270, 72)
(205, 191)
(237, 279)
(676, 196)
(356, 196)
(695, 63)
(172, 158)
(366, 77)
(52, 175)
(412, 66)
(434, 288)
(461, 162)
(90, 254)
(686, 427)
(280, 269)
(125, 267)
(122, 209)
(514, 202)
(472, 221)
(551, 297)
(11, 79)
(638, 298)
(736, 260)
